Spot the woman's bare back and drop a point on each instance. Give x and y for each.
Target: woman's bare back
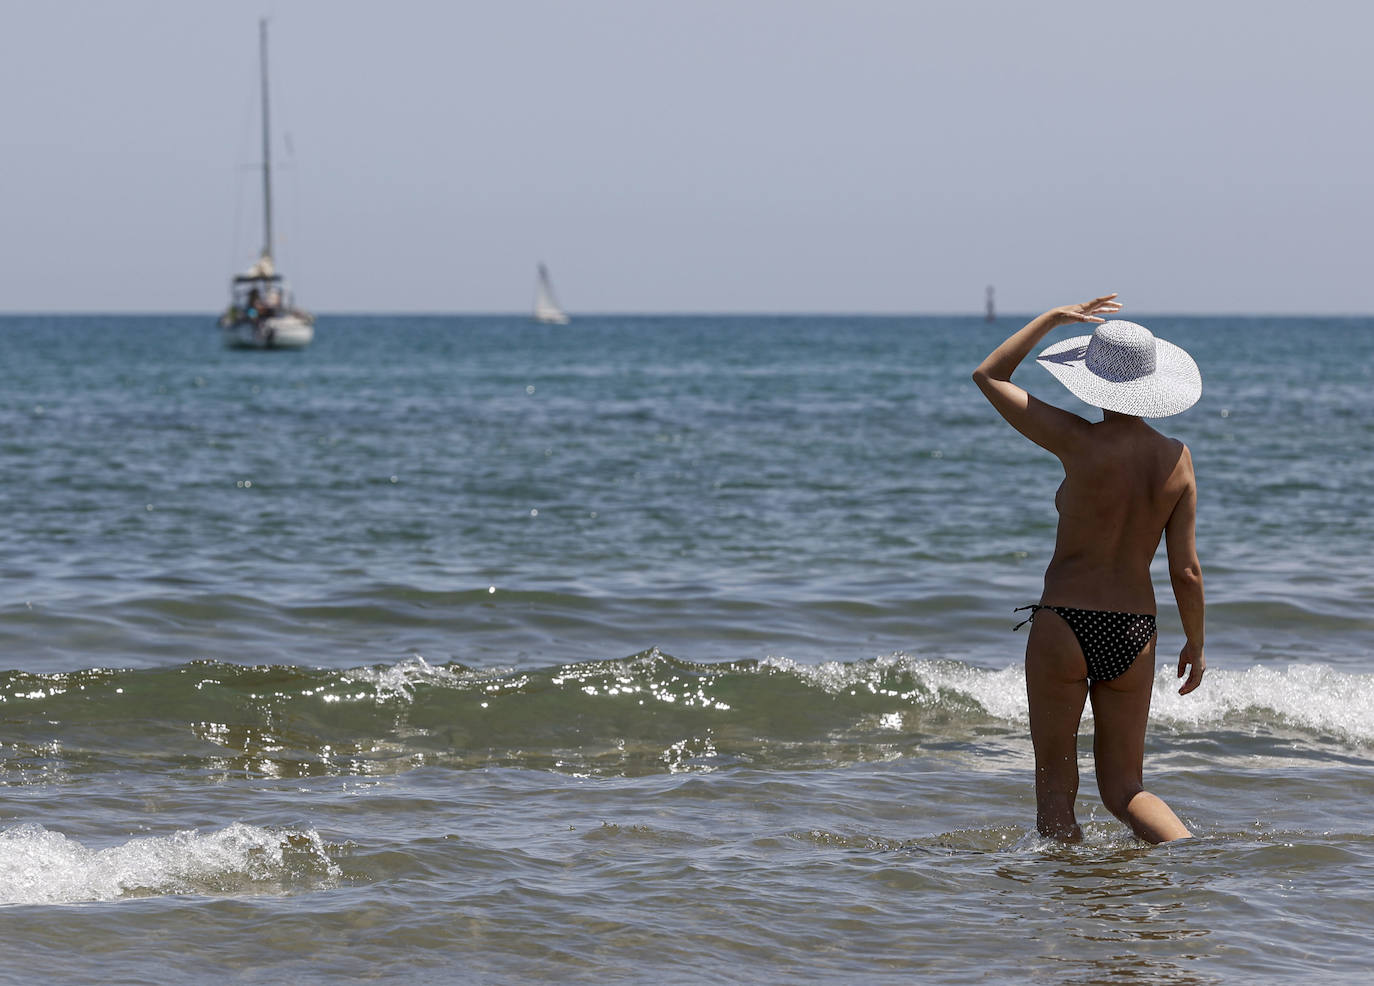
(1122, 481)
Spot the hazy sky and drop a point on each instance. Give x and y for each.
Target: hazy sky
(696, 155)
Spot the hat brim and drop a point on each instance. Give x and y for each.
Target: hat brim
(1175, 385)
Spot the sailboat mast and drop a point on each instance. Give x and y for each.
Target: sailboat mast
(266, 147)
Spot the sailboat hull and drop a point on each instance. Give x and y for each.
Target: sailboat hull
(274, 332)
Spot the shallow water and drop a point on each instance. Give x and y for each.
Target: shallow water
(646, 649)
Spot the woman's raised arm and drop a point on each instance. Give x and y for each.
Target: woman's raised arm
(1042, 423)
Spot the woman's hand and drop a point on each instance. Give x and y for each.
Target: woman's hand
(1087, 311)
(1191, 659)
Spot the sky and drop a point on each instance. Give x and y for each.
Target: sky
(885, 156)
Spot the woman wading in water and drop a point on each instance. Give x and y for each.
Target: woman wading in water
(1093, 632)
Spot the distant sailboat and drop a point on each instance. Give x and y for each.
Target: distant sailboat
(546, 308)
(260, 313)
(991, 314)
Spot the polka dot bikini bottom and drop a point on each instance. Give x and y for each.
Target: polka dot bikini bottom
(1110, 641)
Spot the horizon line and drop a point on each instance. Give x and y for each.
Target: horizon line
(712, 313)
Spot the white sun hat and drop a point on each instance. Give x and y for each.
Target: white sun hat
(1123, 367)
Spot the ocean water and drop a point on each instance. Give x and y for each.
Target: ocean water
(648, 649)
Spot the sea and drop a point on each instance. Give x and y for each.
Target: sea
(462, 649)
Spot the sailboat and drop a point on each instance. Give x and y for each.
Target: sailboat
(260, 313)
(546, 308)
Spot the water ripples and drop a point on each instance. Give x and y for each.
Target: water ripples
(221, 742)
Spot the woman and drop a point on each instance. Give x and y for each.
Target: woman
(1093, 632)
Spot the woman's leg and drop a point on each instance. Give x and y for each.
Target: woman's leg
(1121, 708)
(1056, 685)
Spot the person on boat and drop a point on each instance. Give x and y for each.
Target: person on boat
(1092, 634)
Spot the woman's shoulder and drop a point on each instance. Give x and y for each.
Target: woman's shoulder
(1174, 463)
(1175, 446)
(1170, 445)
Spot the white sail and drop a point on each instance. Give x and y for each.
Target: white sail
(546, 308)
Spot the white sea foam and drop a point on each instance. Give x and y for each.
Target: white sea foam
(40, 866)
(1000, 693)
(1311, 697)
(1308, 696)
(391, 682)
